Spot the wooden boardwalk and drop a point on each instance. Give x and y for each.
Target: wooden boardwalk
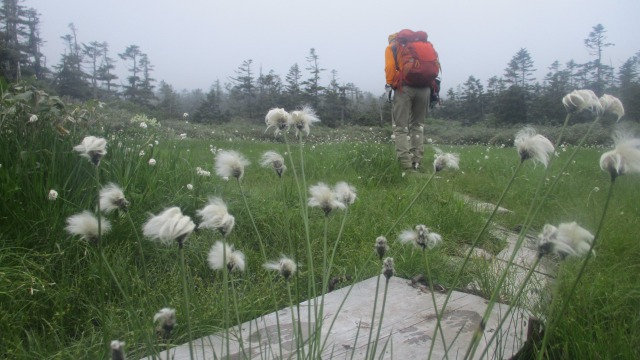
(408, 326)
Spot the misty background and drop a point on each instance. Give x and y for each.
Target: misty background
(502, 61)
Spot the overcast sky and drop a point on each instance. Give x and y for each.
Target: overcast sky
(192, 43)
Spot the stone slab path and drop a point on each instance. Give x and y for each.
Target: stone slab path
(408, 324)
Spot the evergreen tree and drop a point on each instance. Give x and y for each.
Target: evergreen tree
(19, 42)
(104, 73)
(312, 87)
(70, 79)
(629, 87)
(93, 53)
(333, 106)
(168, 100)
(472, 101)
(210, 110)
(145, 91)
(243, 90)
(292, 88)
(520, 70)
(269, 88)
(596, 42)
(34, 62)
(548, 108)
(132, 53)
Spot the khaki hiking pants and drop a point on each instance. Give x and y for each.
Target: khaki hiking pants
(409, 113)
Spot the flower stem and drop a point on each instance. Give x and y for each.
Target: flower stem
(511, 306)
(126, 299)
(554, 318)
(373, 316)
(264, 255)
(468, 256)
(235, 301)
(435, 304)
(413, 201)
(144, 265)
(186, 299)
(97, 177)
(384, 302)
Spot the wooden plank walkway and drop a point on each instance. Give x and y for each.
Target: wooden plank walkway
(408, 326)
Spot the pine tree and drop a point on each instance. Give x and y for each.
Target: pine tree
(132, 53)
(292, 88)
(596, 42)
(243, 89)
(312, 87)
(520, 70)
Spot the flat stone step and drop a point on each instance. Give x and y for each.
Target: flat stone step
(407, 329)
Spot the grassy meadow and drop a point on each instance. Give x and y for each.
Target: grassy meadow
(65, 298)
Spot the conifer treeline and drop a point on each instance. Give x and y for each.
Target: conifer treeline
(87, 71)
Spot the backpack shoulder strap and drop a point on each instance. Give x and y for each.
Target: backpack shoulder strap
(394, 49)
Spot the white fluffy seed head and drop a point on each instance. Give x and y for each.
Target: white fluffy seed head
(285, 266)
(531, 145)
(85, 225)
(345, 193)
(93, 148)
(323, 197)
(168, 226)
(223, 256)
(112, 198)
(624, 158)
(230, 163)
(303, 118)
(215, 216)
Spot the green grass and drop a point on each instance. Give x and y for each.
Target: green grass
(59, 301)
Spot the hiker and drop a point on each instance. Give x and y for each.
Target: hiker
(411, 68)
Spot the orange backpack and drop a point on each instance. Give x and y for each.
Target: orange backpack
(416, 60)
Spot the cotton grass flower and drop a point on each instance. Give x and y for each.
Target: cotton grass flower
(165, 320)
(112, 198)
(612, 105)
(421, 237)
(278, 118)
(445, 160)
(216, 217)
(302, 119)
(117, 350)
(274, 160)
(52, 195)
(624, 158)
(168, 226)
(92, 148)
(33, 118)
(285, 267)
(345, 193)
(324, 198)
(202, 172)
(531, 145)
(230, 163)
(381, 246)
(152, 162)
(220, 252)
(388, 268)
(579, 100)
(85, 225)
(568, 239)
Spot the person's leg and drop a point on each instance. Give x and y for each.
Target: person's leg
(401, 114)
(419, 106)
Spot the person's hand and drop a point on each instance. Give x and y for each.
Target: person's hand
(388, 91)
